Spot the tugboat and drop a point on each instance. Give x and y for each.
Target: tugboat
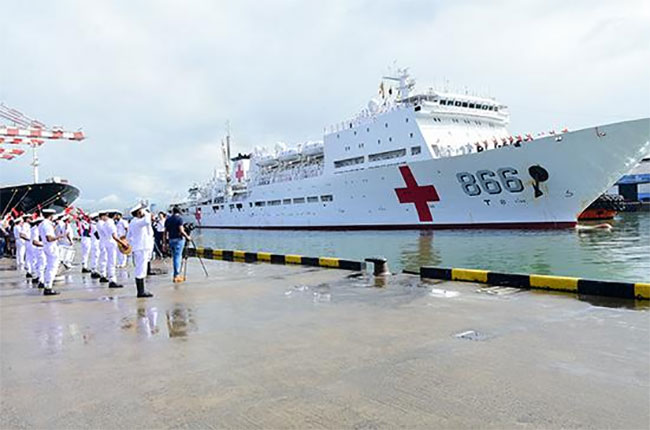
(54, 193)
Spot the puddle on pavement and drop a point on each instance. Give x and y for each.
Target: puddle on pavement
(471, 335)
(180, 321)
(437, 292)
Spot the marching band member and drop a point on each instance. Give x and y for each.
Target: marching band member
(20, 243)
(94, 246)
(83, 229)
(103, 216)
(140, 237)
(122, 229)
(50, 246)
(111, 240)
(64, 231)
(38, 261)
(26, 235)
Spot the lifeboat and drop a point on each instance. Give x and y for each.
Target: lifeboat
(312, 149)
(289, 155)
(266, 161)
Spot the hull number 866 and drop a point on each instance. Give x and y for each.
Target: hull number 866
(489, 182)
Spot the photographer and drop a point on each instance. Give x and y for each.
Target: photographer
(176, 236)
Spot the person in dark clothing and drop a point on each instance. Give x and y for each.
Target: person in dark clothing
(176, 237)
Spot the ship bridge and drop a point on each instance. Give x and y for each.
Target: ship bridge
(402, 125)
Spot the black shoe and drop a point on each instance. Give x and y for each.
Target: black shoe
(114, 285)
(84, 270)
(34, 280)
(103, 280)
(95, 275)
(50, 292)
(139, 284)
(41, 285)
(28, 276)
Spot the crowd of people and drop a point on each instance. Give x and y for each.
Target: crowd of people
(42, 244)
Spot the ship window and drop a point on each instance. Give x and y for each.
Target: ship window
(260, 204)
(299, 200)
(286, 201)
(390, 139)
(368, 129)
(386, 125)
(472, 105)
(250, 204)
(355, 132)
(491, 107)
(496, 109)
(484, 107)
(411, 135)
(464, 104)
(348, 162)
(312, 199)
(387, 155)
(273, 202)
(232, 206)
(415, 150)
(215, 208)
(327, 198)
(443, 102)
(407, 120)
(239, 206)
(457, 104)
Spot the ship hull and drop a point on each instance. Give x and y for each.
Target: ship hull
(545, 183)
(31, 197)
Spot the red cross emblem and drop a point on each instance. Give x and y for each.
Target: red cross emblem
(416, 194)
(239, 174)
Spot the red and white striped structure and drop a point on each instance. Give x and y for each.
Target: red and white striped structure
(28, 131)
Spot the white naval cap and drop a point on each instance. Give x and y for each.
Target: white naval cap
(47, 212)
(137, 207)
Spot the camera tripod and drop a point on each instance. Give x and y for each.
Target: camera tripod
(184, 262)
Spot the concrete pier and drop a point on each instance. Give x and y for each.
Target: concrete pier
(270, 346)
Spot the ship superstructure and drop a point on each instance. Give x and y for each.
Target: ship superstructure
(428, 159)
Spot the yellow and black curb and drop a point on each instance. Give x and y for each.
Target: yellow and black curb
(625, 290)
(267, 257)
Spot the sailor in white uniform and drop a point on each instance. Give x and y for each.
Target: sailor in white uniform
(94, 246)
(140, 237)
(122, 228)
(38, 257)
(83, 229)
(111, 240)
(20, 243)
(101, 269)
(66, 250)
(26, 235)
(51, 248)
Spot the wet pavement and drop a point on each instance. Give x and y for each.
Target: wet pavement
(266, 346)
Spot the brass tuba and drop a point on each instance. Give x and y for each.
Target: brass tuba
(126, 250)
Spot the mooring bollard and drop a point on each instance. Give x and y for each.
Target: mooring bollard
(380, 265)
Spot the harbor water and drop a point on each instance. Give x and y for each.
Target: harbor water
(620, 254)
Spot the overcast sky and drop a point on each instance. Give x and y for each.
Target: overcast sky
(152, 83)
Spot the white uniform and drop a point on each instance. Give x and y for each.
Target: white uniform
(122, 228)
(94, 247)
(29, 248)
(102, 248)
(20, 247)
(140, 237)
(38, 260)
(51, 249)
(84, 235)
(111, 249)
(66, 251)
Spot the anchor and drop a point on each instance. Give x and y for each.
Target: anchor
(539, 175)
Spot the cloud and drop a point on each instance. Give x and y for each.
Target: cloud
(153, 83)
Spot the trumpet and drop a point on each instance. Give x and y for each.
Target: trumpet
(124, 249)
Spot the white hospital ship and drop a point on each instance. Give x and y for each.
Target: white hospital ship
(428, 159)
